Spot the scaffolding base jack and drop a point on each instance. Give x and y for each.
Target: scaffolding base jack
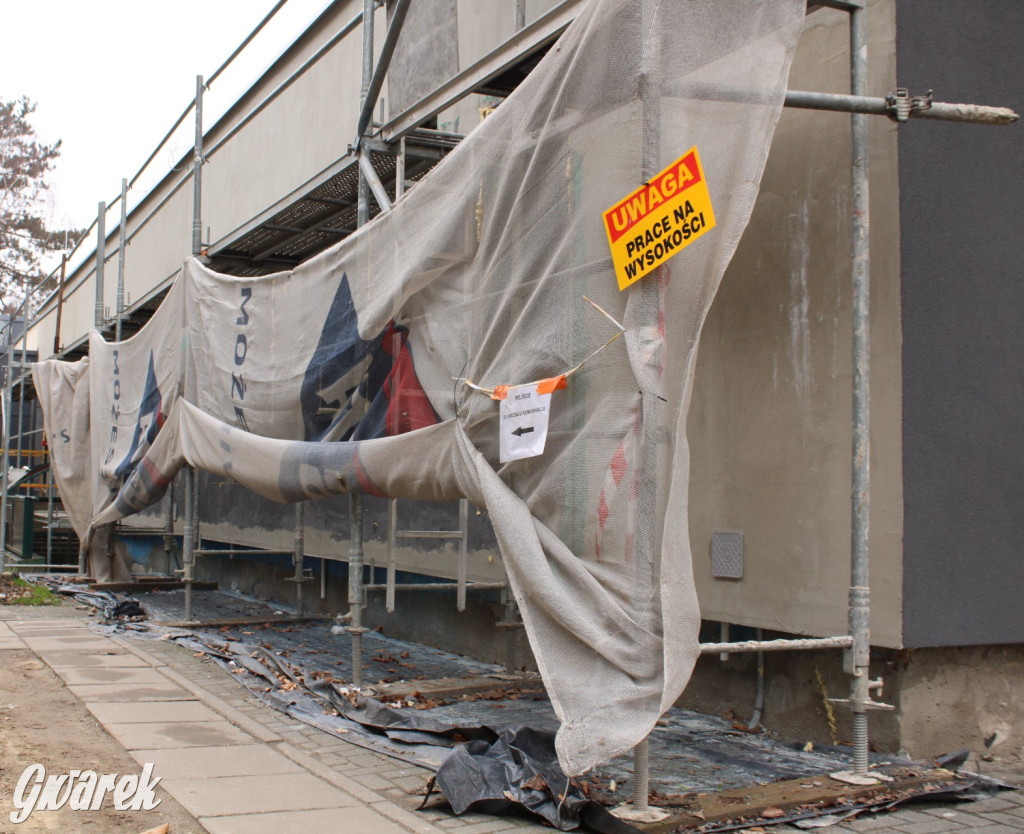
(629, 813)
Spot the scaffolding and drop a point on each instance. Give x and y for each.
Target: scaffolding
(404, 149)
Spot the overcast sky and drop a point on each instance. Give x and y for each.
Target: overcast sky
(111, 76)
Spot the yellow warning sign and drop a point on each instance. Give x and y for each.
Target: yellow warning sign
(659, 219)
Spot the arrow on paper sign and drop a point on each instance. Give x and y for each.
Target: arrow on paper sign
(522, 430)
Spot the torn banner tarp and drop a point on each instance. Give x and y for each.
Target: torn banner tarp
(340, 374)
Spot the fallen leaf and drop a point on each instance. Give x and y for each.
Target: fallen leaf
(536, 783)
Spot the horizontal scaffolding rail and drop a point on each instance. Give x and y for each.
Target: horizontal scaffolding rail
(750, 646)
(902, 106)
(438, 586)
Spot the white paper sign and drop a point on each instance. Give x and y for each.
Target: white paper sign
(523, 423)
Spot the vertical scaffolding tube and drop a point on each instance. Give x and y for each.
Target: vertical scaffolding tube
(60, 303)
(197, 527)
(169, 528)
(300, 553)
(460, 592)
(355, 584)
(520, 14)
(188, 473)
(120, 260)
(860, 609)
(389, 592)
(400, 170)
(647, 297)
(5, 420)
(511, 616)
(355, 498)
(21, 375)
(101, 247)
(197, 174)
(363, 200)
(188, 556)
(49, 514)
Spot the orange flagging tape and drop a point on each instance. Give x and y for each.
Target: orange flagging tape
(552, 384)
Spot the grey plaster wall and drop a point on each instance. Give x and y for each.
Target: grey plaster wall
(963, 341)
(770, 426)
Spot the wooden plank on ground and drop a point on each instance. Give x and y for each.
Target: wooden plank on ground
(812, 794)
(451, 688)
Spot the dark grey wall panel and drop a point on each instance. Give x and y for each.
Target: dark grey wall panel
(963, 327)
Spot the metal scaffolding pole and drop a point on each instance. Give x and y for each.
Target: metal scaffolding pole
(858, 655)
(389, 594)
(299, 554)
(901, 106)
(356, 594)
(512, 625)
(101, 251)
(120, 260)
(60, 302)
(646, 299)
(49, 513)
(188, 557)
(363, 197)
(372, 85)
(169, 529)
(5, 420)
(188, 473)
(21, 375)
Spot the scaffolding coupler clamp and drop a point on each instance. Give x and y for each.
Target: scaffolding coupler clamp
(864, 704)
(856, 705)
(307, 576)
(901, 104)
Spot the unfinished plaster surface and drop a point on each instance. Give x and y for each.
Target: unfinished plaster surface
(963, 302)
(966, 697)
(945, 700)
(770, 427)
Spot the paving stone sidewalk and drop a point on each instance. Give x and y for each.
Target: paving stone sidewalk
(242, 767)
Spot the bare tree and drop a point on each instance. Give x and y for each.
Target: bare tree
(25, 239)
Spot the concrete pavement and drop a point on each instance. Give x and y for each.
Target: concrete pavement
(242, 767)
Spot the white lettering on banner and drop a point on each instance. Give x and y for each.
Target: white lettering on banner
(36, 791)
(523, 423)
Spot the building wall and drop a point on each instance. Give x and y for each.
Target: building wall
(304, 130)
(770, 427)
(963, 304)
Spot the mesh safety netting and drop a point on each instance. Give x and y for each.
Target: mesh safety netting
(350, 372)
